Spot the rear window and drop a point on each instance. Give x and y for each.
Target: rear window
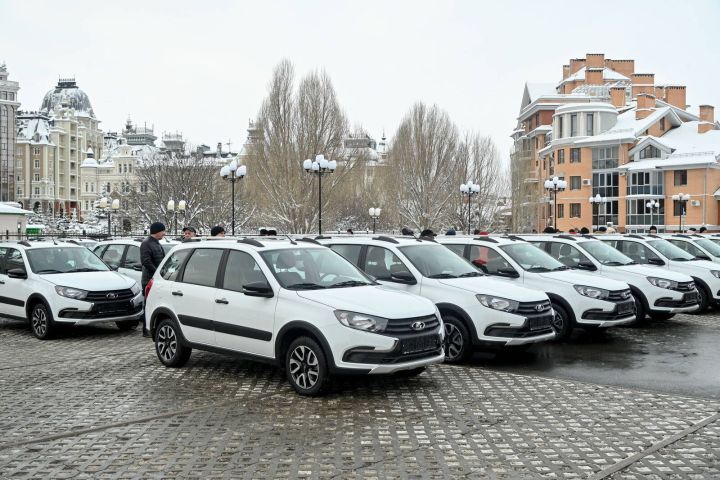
(202, 267)
(171, 268)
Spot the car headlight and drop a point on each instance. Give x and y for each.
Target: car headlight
(361, 321)
(498, 303)
(663, 283)
(135, 289)
(69, 292)
(592, 292)
(716, 273)
(440, 322)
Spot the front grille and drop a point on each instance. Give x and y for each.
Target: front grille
(532, 309)
(619, 295)
(685, 286)
(400, 326)
(354, 356)
(102, 296)
(688, 300)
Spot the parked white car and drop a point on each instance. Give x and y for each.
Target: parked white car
(654, 250)
(123, 255)
(477, 310)
(50, 284)
(578, 299)
(699, 246)
(296, 304)
(657, 293)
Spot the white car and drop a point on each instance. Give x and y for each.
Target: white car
(296, 304)
(51, 284)
(654, 250)
(699, 246)
(123, 255)
(477, 310)
(578, 299)
(657, 293)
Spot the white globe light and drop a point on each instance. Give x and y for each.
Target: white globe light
(242, 171)
(171, 205)
(323, 163)
(463, 188)
(562, 184)
(116, 204)
(555, 180)
(225, 171)
(549, 184)
(371, 212)
(103, 202)
(315, 166)
(332, 165)
(181, 205)
(233, 165)
(307, 164)
(476, 188)
(591, 199)
(319, 158)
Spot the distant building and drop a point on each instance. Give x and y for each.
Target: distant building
(173, 143)
(8, 112)
(136, 135)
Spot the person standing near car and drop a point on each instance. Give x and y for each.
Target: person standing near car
(151, 255)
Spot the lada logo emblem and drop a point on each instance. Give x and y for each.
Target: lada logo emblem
(111, 295)
(417, 325)
(626, 294)
(539, 307)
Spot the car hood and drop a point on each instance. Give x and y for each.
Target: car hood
(704, 264)
(661, 272)
(578, 278)
(91, 281)
(372, 300)
(494, 286)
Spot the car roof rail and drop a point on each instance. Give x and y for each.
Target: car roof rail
(485, 239)
(309, 240)
(514, 237)
(566, 237)
(385, 238)
(587, 235)
(250, 241)
(426, 239)
(321, 237)
(25, 243)
(74, 242)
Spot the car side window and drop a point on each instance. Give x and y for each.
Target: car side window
(14, 259)
(202, 267)
(241, 269)
(132, 257)
(350, 252)
(541, 245)
(380, 262)
(3, 252)
(459, 249)
(689, 248)
(171, 268)
(567, 254)
(112, 255)
(636, 251)
(487, 259)
(99, 250)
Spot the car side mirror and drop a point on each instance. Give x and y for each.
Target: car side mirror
(257, 289)
(403, 276)
(656, 261)
(508, 272)
(137, 268)
(702, 257)
(20, 273)
(587, 266)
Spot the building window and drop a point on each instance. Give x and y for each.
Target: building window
(662, 123)
(589, 127)
(574, 155)
(605, 183)
(87, 187)
(651, 151)
(560, 126)
(37, 191)
(36, 150)
(604, 157)
(678, 208)
(561, 156)
(680, 177)
(645, 183)
(573, 125)
(574, 183)
(36, 164)
(92, 188)
(574, 210)
(561, 210)
(36, 177)
(639, 214)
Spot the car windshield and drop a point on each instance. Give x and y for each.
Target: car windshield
(532, 259)
(313, 268)
(670, 251)
(605, 254)
(436, 261)
(709, 245)
(64, 260)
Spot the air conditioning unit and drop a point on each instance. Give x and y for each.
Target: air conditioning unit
(695, 203)
(587, 182)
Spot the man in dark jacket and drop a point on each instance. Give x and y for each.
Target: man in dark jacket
(151, 254)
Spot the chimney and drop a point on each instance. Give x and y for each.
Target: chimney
(642, 83)
(219, 148)
(645, 105)
(675, 95)
(595, 60)
(660, 92)
(594, 76)
(623, 67)
(576, 64)
(707, 118)
(617, 96)
(566, 71)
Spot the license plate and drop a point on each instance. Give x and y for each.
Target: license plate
(116, 307)
(419, 344)
(626, 308)
(539, 323)
(690, 297)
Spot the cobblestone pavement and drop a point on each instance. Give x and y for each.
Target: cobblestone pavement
(96, 403)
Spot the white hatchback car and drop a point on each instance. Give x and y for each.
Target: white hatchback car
(51, 284)
(123, 255)
(578, 299)
(477, 310)
(296, 304)
(699, 246)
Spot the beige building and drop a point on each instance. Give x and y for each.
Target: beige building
(8, 112)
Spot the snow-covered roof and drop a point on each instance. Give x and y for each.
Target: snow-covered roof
(685, 139)
(607, 73)
(628, 128)
(673, 161)
(9, 210)
(34, 129)
(67, 91)
(537, 90)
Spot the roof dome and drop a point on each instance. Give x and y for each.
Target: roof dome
(67, 92)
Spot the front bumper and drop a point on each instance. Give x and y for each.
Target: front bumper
(688, 300)
(619, 313)
(85, 313)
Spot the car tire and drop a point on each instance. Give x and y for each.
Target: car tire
(640, 313)
(561, 322)
(306, 367)
(661, 316)
(457, 340)
(41, 321)
(703, 300)
(169, 346)
(125, 326)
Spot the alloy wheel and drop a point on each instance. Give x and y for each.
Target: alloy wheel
(304, 367)
(558, 321)
(167, 342)
(39, 322)
(453, 341)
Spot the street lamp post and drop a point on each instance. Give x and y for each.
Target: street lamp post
(652, 205)
(597, 200)
(469, 189)
(171, 207)
(554, 185)
(233, 172)
(683, 199)
(320, 166)
(374, 214)
(113, 207)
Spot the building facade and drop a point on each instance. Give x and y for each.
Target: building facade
(617, 137)
(8, 112)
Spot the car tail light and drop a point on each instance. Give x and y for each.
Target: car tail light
(148, 287)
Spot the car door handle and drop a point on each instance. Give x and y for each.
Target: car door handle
(221, 300)
(178, 293)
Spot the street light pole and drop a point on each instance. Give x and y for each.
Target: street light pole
(233, 172)
(374, 214)
(320, 166)
(554, 185)
(113, 206)
(469, 189)
(652, 204)
(682, 198)
(597, 200)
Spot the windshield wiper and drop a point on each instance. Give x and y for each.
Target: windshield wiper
(561, 267)
(681, 259)
(349, 283)
(304, 286)
(538, 268)
(615, 263)
(49, 270)
(471, 274)
(442, 275)
(84, 269)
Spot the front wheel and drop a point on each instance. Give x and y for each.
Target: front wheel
(703, 299)
(457, 340)
(561, 323)
(639, 310)
(168, 346)
(306, 367)
(41, 322)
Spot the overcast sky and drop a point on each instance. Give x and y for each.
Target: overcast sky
(202, 68)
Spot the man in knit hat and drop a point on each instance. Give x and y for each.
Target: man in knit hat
(151, 255)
